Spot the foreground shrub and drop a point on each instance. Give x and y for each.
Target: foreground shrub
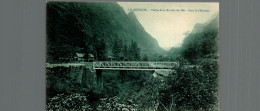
(62, 80)
(115, 104)
(148, 97)
(73, 102)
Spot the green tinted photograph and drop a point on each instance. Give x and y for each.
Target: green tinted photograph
(132, 56)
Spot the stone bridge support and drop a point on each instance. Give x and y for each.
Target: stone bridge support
(88, 78)
(99, 80)
(92, 79)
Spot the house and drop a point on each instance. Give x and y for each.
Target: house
(80, 57)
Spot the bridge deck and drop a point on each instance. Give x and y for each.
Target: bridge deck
(120, 65)
(133, 65)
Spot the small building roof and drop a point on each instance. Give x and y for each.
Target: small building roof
(80, 54)
(90, 55)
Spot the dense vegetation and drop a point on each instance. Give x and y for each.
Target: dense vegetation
(103, 29)
(192, 88)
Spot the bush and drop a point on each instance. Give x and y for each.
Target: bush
(59, 80)
(111, 84)
(115, 104)
(148, 97)
(192, 88)
(74, 102)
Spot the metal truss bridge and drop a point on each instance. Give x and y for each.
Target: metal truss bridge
(120, 65)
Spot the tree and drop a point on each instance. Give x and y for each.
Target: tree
(145, 58)
(101, 49)
(134, 51)
(125, 51)
(116, 49)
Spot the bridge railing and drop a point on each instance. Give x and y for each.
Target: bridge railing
(64, 65)
(133, 65)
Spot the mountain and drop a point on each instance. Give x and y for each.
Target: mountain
(148, 44)
(200, 43)
(211, 24)
(93, 27)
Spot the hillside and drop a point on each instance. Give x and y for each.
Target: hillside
(148, 44)
(93, 27)
(202, 42)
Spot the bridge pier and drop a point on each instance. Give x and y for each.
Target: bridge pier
(84, 82)
(99, 79)
(88, 78)
(92, 79)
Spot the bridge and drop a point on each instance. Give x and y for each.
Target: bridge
(120, 65)
(133, 65)
(98, 66)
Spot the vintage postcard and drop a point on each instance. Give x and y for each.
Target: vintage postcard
(132, 56)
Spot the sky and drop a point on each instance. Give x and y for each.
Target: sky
(168, 27)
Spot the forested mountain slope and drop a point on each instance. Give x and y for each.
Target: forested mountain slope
(94, 28)
(201, 43)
